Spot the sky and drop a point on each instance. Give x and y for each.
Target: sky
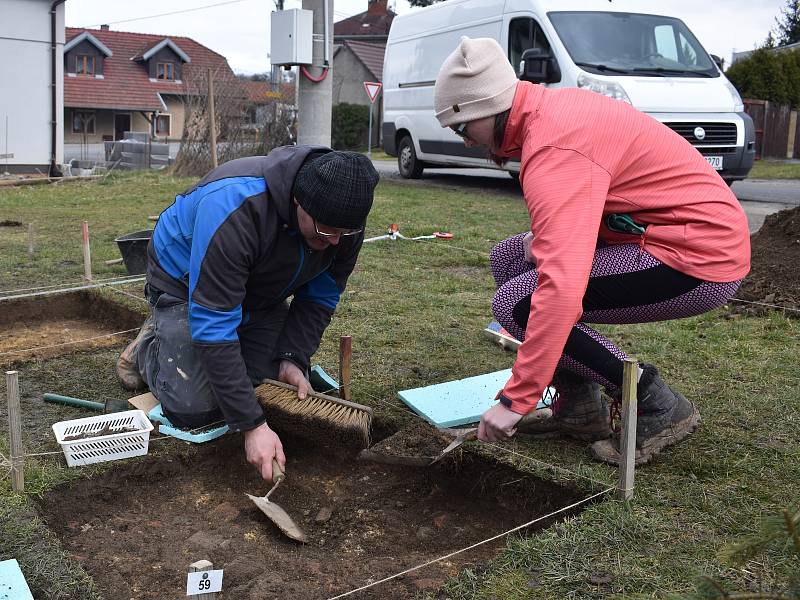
(239, 29)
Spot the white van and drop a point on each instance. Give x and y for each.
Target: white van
(651, 61)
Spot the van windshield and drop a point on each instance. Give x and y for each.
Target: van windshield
(631, 44)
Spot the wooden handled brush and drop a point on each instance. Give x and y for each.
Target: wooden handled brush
(317, 417)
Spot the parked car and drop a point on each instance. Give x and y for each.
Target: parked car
(651, 61)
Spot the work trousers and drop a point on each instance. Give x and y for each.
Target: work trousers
(171, 366)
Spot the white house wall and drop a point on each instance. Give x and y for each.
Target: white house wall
(25, 100)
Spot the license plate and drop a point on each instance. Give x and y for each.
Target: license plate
(714, 161)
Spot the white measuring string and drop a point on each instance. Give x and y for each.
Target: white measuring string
(547, 465)
(97, 337)
(134, 296)
(72, 289)
(475, 545)
(69, 283)
(765, 304)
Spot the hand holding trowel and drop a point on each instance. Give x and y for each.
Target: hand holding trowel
(466, 435)
(275, 513)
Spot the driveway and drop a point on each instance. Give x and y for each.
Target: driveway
(758, 197)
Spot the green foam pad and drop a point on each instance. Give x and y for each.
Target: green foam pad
(459, 402)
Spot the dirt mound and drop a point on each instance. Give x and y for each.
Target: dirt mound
(774, 274)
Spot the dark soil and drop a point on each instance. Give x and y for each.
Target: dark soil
(137, 528)
(50, 320)
(420, 439)
(775, 264)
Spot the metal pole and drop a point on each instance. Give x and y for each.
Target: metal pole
(15, 432)
(212, 120)
(369, 143)
(627, 446)
(87, 256)
(315, 97)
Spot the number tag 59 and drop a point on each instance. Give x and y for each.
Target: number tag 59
(204, 582)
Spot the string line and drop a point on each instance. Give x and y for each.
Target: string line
(97, 337)
(73, 289)
(475, 545)
(67, 283)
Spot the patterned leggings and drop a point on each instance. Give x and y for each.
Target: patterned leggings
(626, 285)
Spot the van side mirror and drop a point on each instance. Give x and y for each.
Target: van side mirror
(720, 62)
(539, 66)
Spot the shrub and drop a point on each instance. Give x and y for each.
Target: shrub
(350, 126)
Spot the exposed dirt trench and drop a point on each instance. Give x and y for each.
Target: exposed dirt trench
(138, 527)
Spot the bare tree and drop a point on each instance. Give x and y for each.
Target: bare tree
(245, 126)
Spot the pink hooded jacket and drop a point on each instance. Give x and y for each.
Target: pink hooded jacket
(582, 157)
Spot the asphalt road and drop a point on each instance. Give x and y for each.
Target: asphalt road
(758, 197)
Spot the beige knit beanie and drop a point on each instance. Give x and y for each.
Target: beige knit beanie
(475, 81)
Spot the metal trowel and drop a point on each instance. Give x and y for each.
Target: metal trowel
(275, 513)
(466, 435)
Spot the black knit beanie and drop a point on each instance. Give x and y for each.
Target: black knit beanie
(336, 188)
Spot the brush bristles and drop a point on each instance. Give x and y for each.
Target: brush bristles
(314, 417)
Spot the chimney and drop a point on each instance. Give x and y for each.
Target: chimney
(104, 28)
(377, 7)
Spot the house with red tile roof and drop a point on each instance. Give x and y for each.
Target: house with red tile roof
(359, 47)
(116, 81)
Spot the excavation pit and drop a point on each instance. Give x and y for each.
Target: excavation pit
(138, 527)
(49, 325)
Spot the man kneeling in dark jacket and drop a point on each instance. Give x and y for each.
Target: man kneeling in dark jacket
(223, 262)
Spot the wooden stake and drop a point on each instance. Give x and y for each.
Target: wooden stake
(87, 255)
(202, 565)
(15, 432)
(627, 446)
(345, 352)
(30, 242)
(212, 120)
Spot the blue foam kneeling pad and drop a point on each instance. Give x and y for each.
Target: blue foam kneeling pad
(321, 381)
(12, 582)
(167, 428)
(459, 402)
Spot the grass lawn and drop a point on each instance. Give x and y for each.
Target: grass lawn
(415, 311)
(774, 169)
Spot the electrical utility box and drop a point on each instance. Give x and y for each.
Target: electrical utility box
(291, 37)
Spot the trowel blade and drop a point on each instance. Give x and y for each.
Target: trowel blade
(280, 517)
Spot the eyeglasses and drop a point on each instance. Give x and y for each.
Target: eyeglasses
(460, 130)
(339, 233)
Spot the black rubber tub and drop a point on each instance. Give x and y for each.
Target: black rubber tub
(133, 247)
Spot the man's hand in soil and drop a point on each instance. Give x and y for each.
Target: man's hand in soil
(498, 424)
(290, 373)
(261, 445)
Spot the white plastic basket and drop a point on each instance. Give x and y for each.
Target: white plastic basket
(106, 446)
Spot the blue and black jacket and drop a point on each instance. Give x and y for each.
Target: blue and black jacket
(230, 245)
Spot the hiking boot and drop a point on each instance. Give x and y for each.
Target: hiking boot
(664, 417)
(578, 411)
(127, 365)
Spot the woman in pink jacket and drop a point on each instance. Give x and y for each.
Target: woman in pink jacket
(629, 224)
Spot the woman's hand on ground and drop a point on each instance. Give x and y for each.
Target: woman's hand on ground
(261, 445)
(290, 373)
(498, 424)
(526, 244)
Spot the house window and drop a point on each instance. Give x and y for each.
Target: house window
(84, 64)
(163, 124)
(165, 71)
(82, 121)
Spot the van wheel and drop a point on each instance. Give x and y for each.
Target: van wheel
(408, 163)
